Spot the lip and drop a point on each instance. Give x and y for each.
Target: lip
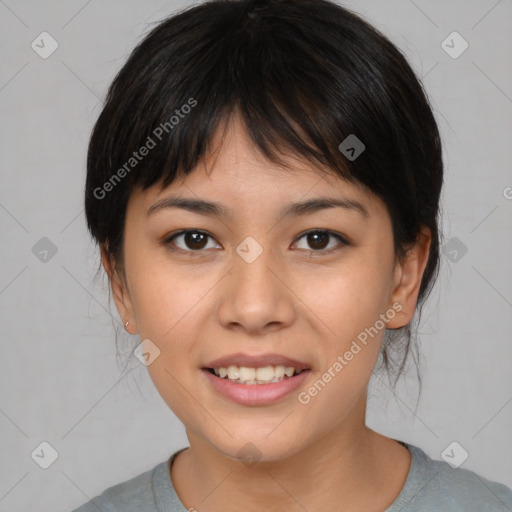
(258, 361)
(255, 394)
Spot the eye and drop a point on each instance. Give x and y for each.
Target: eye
(193, 239)
(318, 239)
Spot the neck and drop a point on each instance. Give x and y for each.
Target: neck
(347, 469)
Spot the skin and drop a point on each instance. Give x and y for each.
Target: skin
(198, 306)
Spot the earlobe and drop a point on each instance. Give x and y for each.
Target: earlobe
(119, 291)
(408, 276)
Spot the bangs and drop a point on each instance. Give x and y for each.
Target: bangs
(301, 85)
(306, 78)
(295, 94)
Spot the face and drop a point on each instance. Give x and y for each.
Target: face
(260, 284)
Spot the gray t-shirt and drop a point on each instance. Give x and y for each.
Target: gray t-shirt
(431, 485)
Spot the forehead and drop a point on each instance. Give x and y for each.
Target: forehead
(234, 171)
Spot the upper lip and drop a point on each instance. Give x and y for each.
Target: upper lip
(256, 361)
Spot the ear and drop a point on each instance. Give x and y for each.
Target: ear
(119, 291)
(407, 279)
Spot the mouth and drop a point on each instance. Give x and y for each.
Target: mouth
(254, 376)
(255, 380)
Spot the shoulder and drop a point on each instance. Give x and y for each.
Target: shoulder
(133, 495)
(435, 485)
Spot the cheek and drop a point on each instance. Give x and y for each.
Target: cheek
(169, 304)
(167, 299)
(167, 307)
(350, 303)
(349, 298)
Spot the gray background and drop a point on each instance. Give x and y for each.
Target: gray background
(62, 381)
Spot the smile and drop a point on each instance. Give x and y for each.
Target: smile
(255, 376)
(255, 386)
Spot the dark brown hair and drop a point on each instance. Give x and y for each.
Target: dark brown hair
(282, 64)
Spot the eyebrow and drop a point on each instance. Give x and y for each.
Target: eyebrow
(210, 208)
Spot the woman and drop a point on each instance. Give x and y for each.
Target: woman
(264, 185)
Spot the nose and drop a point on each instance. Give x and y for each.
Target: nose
(256, 297)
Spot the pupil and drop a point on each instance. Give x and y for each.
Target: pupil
(193, 240)
(313, 239)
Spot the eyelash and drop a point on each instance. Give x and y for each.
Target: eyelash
(343, 241)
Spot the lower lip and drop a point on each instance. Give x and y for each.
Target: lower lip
(256, 394)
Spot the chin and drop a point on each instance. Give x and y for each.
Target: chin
(254, 444)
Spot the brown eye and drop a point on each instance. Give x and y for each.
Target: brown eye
(318, 240)
(191, 240)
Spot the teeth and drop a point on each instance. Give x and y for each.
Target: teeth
(233, 372)
(263, 375)
(246, 374)
(279, 372)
